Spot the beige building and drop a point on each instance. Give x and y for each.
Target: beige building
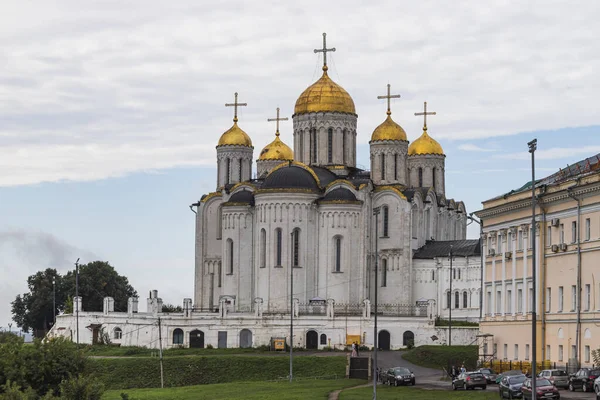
(567, 238)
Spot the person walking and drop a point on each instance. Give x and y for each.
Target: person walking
(356, 348)
(354, 353)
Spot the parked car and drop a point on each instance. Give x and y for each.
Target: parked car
(512, 372)
(510, 386)
(398, 376)
(597, 388)
(490, 375)
(583, 379)
(469, 380)
(557, 377)
(543, 387)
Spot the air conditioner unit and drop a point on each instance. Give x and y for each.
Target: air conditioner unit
(555, 222)
(563, 246)
(491, 252)
(508, 255)
(554, 248)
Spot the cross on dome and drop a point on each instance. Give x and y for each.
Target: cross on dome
(277, 119)
(324, 50)
(425, 114)
(389, 97)
(235, 106)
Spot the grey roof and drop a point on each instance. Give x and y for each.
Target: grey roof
(244, 196)
(460, 248)
(340, 194)
(290, 177)
(325, 176)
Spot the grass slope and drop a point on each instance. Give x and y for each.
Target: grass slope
(441, 356)
(405, 393)
(125, 373)
(309, 389)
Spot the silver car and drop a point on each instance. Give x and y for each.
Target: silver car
(558, 377)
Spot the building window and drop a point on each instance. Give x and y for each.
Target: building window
(301, 145)
(500, 243)
(573, 351)
(520, 241)
(177, 336)
(118, 333)
(526, 352)
(385, 221)
(530, 300)
(465, 300)
(549, 236)
(573, 297)
(448, 299)
(313, 139)
(263, 248)
(395, 167)
(227, 170)
(587, 354)
(459, 273)
(562, 233)
(240, 161)
(433, 275)
(220, 275)
(384, 272)
(344, 146)
(560, 352)
(330, 145)
(338, 254)
(520, 300)
(219, 223)
(296, 247)
(509, 243)
(516, 357)
(505, 351)
(383, 167)
(573, 231)
(560, 298)
(530, 238)
(489, 302)
(323, 339)
(495, 351)
(230, 256)
(509, 301)
(587, 297)
(548, 299)
(433, 177)
(588, 229)
(456, 299)
(420, 177)
(548, 353)
(278, 243)
(498, 302)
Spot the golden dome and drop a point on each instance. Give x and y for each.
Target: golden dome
(324, 96)
(388, 130)
(235, 136)
(425, 144)
(277, 150)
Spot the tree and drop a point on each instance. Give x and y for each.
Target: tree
(33, 311)
(170, 308)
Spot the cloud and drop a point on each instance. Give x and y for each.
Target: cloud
(101, 89)
(474, 147)
(553, 153)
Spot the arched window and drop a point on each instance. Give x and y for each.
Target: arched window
(220, 275)
(118, 333)
(420, 177)
(448, 299)
(229, 256)
(338, 254)
(323, 339)
(344, 132)
(301, 145)
(433, 178)
(458, 273)
(456, 299)
(330, 145)
(465, 300)
(178, 336)
(384, 272)
(383, 167)
(263, 248)
(313, 139)
(219, 223)
(296, 247)
(396, 167)
(227, 170)
(385, 221)
(240, 161)
(433, 275)
(278, 247)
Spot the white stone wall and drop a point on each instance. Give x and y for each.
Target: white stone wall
(208, 256)
(233, 154)
(428, 163)
(395, 172)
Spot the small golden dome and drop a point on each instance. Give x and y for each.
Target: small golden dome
(277, 150)
(324, 96)
(235, 136)
(425, 144)
(388, 130)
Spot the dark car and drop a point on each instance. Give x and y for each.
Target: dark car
(398, 376)
(469, 380)
(543, 387)
(510, 386)
(512, 372)
(583, 379)
(557, 377)
(490, 375)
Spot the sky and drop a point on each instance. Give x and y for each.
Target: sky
(110, 110)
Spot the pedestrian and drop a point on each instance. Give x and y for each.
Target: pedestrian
(453, 372)
(354, 353)
(463, 369)
(356, 348)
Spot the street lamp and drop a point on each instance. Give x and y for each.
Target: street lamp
(376, 211)
(77, 298)
(532, 147)
(451, 299)
(54, 301)
(480, 222)
(291, 308)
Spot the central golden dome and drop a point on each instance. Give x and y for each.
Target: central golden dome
(388, 130)
(235, 136)
(277, 150)
(425, 144)
(324, 96)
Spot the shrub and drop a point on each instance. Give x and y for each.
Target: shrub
(81, 388)
(209, 346)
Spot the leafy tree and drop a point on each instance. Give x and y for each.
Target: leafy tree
(170, 308)
(33, 311)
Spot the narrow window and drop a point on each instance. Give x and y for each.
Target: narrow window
(118, 333)
(227, 170)
(587, 354)
(395, 167)
(560, 352)
(263, 248)
(338, 254)
(296, 247)
(526, 352)
(449, 300)
(505, 351)
(383, 167)
(573, 351)
(344, 146)
(519, 300)
(498, 302)
(301, 145)
(562, 233)
(330, 145)
(549, 237)
(587, 297)
(278, 247)
(313, 134)
(219, 223)
(520, 241)
(220, 275)
(548, 299)
(456, 299)
(420, 177)
(509, 244)
(384, 273)
(323, 340)
(230, 258)
(385, 221)
(240, 161)
(433, 275)
(489, 303)
(548, 352)
(178, 336)
(433, 178)
(458, 273)
(573, 232)
(509, 301)
(516, 352)
(588, 226)
(560, 298)
(573, 298)
(465, 300)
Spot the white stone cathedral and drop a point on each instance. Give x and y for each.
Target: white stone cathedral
(312, 213)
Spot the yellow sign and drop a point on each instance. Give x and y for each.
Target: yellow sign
(279, 344)
(352, 339)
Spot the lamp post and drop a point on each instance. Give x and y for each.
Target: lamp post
(480, 222)
(291, 309)
(54, 301)
(450, 303)
(532, 147)
(376, 211)
(77, 298)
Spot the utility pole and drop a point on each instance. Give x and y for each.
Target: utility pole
(160, 358)
(292, 310)
(451, 300)
(375, 378)
(480, 222)
(54, 301)
(77, 297)
(532, 147)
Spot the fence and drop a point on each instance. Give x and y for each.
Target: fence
(400, 310)
(500, 366)
(348, 309)
(312, 309)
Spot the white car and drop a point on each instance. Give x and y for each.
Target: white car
(597, 388)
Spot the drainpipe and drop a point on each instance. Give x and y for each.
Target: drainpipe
(578, 329)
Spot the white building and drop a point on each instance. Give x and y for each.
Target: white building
(312, 213)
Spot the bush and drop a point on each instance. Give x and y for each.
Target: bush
(81, 388)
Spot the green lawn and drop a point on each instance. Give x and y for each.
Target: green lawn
(409, 393)
(307, 389)
(440, 356)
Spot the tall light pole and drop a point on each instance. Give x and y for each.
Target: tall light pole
(480, 222)
(77, 298)
(376, 211)
(451, 300)
(532, 147)
(54, 301)
(292, 310)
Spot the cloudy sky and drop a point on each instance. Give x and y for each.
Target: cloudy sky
(110, 110)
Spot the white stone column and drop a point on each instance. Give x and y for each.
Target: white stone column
(501, 237)
(537, 268)
(513, 301)
(493, 311)
(484, 251)
(525, 284)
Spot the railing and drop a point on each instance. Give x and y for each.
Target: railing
(348, 309)
(312, 309)
(400, 310)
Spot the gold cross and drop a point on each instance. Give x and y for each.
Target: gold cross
(388, 97)
(277, 120)
(324, 50)
(425, 114)
(235, 106)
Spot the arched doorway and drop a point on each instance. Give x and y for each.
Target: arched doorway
(245, 338)
(197, 339)
(408, 339)
(383, 340)
(312, 340)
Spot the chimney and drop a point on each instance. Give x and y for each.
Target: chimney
(109, 305)
(77, 304)
(132, 306)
